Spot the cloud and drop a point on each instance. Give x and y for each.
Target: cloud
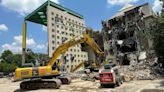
(3, 27)
(120, 2)
(40, 46)
(157, 6)
(12, 47)
(29, 41)
(23, 6)
(16, 45)
(44, 28)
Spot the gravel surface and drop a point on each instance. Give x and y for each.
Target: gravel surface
(78, 85)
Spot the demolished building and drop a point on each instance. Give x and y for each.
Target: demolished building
(126, 34)
(127, 39)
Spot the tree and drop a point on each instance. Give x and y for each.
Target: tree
(17, 59)
(158, 36)
(9, 61)
(7, 68)
(7, 56)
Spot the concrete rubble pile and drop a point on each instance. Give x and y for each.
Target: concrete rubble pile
(145, 70)
(87, 76)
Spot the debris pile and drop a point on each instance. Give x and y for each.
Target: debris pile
(144, 70)
(87, 76)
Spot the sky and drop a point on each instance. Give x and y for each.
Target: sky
(12, 13)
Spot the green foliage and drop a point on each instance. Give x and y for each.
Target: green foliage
(17, 58)
(7, 56)
(30, 58)
(158, 36)
(9, 61)
(7, 68)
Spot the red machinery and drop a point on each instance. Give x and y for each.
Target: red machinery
(110, 76)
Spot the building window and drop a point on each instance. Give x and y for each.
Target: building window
(53, 42)
(62, 17)
(58, 42)
(52, 18)
(62, 32)
(65, 18)
(53, 30)
(57, 15)
(61, 27)
(52, 13)
(67, 66)
(53, 48)
(53, 36)
(58, 37)
(66, 33)
(52, 24)
(57, 26)
(57, 31)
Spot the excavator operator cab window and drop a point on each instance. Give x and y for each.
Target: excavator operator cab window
(55, 65)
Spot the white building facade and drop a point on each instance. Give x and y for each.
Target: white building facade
(62, 25)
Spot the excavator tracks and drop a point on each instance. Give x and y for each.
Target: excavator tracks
(65, 80)
(40, 83)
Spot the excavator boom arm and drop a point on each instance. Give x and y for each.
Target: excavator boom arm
(72, 42)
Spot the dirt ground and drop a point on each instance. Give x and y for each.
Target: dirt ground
(78, 85)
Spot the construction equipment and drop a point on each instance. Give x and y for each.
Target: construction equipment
(38, 77)
(77, 67)
(110, 76)
(92, 66)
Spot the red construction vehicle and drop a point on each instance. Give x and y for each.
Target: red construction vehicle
(110, 76)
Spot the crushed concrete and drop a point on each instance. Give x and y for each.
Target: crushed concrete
(144, 70)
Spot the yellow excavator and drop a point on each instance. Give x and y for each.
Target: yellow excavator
(50, 75)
